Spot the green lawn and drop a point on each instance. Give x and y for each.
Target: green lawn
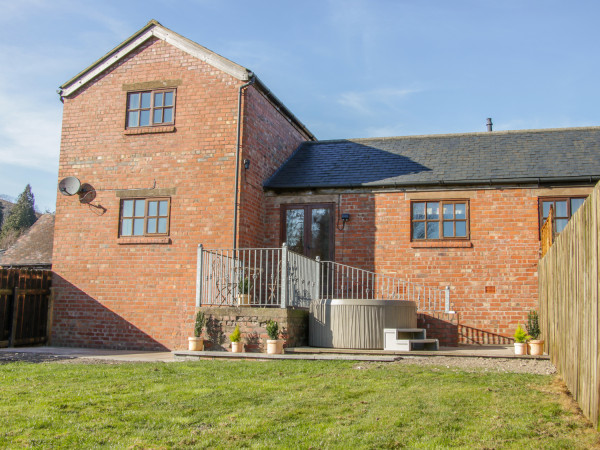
(287, 404)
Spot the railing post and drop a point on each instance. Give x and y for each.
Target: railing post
(284, 275)
(199, 261)
(317, 294)
(447, 308)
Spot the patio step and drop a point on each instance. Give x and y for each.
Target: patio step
(408, 340)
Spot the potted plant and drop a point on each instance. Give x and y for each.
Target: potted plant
(196, 343)
(521, 338)
(243, 288)
(536, 345)
(274, 345)
(235, 337)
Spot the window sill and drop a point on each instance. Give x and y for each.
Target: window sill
(442, 244)
(144, 240)
(149, 130)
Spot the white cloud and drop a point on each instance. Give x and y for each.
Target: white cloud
(371, 102)
(30, 133)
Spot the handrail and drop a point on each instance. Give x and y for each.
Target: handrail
(283, 278)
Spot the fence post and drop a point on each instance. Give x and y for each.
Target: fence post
(284, 275)
(15, 315)
(199, 261)
(447, 295)
(318, 282)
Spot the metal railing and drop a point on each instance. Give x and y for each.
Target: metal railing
(282, 278)
(341, 281)
(255, 277)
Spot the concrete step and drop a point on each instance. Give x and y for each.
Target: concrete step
(189, 355)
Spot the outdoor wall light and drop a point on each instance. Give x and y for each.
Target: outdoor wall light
(345, 218)
(246, 164)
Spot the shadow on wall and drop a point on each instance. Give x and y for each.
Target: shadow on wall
(470, 335)
(216, 336)
(441, 326)
(81, 321)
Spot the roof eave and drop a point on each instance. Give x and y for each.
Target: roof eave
(152, 29)
(443, 183)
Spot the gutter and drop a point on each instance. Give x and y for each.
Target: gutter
(435, 183)
(237, 160)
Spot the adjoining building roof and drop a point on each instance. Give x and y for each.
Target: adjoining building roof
(499, 157)
(34, 248)
(153, 29)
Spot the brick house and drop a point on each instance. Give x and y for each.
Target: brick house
(177, 146)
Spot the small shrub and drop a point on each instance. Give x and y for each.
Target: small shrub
(521, 335)
(236, 335)
(199, 325)
(272, 329)
(243, 286)
(533, 326)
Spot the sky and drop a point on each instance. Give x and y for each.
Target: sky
(346, 69)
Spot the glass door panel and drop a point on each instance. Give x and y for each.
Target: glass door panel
(320, 233)
(308, 230)
(294, 229)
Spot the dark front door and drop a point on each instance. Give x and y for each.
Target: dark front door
(309, 229)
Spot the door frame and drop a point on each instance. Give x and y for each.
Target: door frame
(308, 207)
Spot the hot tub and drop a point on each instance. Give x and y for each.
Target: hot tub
(357, 324)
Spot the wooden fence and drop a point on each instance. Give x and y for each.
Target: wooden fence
(25, 306)
(568, 298)
(547, 233)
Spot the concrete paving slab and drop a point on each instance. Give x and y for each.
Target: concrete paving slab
(92, 353)
(188, 356)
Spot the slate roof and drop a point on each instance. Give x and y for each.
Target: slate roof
(524, 156)
(34, 248)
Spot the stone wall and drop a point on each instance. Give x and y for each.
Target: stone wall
(221, 321)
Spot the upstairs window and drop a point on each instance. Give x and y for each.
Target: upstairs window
(438, 220)
(150, 108)
(144, 217)
(564, 208)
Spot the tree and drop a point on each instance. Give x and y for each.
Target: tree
(22, 215)
(1, 215)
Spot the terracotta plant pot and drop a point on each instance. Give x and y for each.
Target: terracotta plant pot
(274, 346)
(196, 344)
(520, 348)
(536, 347)
(236, 347)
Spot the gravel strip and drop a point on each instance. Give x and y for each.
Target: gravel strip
(473, 364)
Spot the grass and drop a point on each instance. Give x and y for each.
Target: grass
(283, 404)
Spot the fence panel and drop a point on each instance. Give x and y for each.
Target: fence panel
(568, 301)
(242, 277)
(302, 280)
(25, 305)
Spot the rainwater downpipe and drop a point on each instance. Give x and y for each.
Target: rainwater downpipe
(237, 160)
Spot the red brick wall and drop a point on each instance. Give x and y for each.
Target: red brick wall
(142, 295)
(268, 141)
(502, 253)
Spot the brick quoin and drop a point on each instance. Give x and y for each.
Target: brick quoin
(142, 295)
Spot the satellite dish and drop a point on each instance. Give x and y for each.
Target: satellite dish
(69, 186)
